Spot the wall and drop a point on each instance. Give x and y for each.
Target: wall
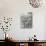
(15, 8)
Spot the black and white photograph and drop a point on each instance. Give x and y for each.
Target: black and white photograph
(26, 20)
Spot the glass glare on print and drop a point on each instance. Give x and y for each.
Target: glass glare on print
(26, 20)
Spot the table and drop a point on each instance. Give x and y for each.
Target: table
(27, 42)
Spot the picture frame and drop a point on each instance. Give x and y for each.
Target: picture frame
(26, 20)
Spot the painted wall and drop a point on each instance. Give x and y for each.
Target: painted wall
(15, 8)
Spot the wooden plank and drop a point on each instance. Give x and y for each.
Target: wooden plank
(25, 44)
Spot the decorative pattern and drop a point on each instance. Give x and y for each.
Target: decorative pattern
(35, 3)
(6, 24)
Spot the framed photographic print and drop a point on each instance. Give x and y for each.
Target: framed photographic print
(26, 20)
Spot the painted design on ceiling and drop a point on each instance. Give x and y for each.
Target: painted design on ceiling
(35, 3)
